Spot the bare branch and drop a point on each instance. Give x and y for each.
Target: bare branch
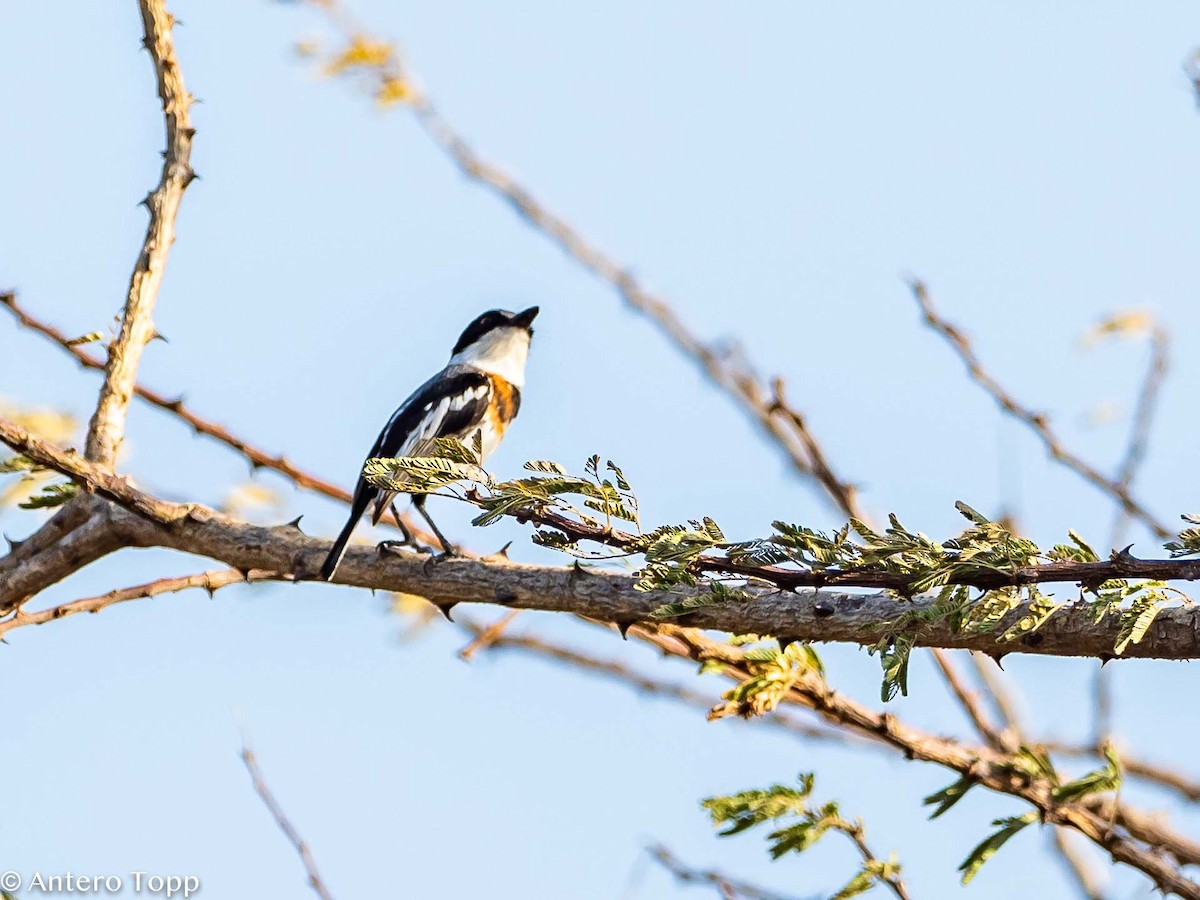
(1143, 419)
(1037, 422)
(107, 427)
(281, 819)
(488, 636)
(210, 581)
(727, 888)
(1077, 865)
(619, 671)
(99, 534)
(969, 702)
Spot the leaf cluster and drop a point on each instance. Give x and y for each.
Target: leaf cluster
(796, 825)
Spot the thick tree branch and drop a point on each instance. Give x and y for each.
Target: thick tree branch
(1036, 421)
(612, 597)
(107, 427)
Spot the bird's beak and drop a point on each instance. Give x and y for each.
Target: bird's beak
(525, 318)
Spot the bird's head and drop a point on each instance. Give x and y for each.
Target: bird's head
(498, 343)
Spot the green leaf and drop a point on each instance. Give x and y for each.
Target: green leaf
(1136, 620)
(18, 463)
(418, 474)
(52, 495)
(873, 872)
(977, 517)
(948, 796)
(988, 846)
(545, 466)
(622, 483)
(894, 660)
(1104, 779)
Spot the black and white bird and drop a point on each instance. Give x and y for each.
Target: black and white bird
(479, 392)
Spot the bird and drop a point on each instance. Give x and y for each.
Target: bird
(477, 393)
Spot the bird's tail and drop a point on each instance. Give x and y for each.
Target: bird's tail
(361, 499)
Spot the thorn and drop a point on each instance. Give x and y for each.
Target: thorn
(996, 657)
(578, 571)
(13, 544)
(445, 610)
(190, 176)
(785, 642)
(295, 523)
(159, 336)
(175, 405)
(1105, 659)
(624, 627)
(500, 554)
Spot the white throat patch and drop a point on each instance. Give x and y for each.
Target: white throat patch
(502, 352)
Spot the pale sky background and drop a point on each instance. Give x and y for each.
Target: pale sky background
(776, 170)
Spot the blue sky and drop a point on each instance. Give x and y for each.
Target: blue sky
(777, 171)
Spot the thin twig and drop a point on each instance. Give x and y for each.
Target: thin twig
(1143, 421)
(854, 830)
(1036, 421)
(968, 700)
(210, 581)
(1135, 454)
(997, 690)
(281, 819)
(488, 636)
(728, 888)
(107, 426)
(619, 671)
(1077, 866)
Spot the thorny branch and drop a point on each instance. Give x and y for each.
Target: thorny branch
(1037, 422)
(612, 597)
(600, 595)
(137, 326)
(727, 888)
(210, 581)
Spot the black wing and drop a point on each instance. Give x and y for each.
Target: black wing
(450, 404)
